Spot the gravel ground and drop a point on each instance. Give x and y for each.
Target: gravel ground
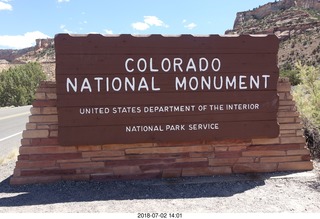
(243, 193)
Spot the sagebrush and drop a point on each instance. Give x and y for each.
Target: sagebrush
(18, 84)
(307, 97)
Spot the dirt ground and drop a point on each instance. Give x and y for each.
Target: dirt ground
(242, 193)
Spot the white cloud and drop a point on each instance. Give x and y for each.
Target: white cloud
(148, 22)
(190, 26)
(64, 29)
(140, 26)
(5, 6)
(108, 31)
(60, 1)
(21, 41)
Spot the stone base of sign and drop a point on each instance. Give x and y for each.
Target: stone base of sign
(43, 160)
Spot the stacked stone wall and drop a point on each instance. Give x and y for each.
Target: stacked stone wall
(42, 159)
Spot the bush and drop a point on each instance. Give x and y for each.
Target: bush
(292, 74)
(18, 84)
(307, 97)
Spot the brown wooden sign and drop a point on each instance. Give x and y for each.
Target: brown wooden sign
(134, 89)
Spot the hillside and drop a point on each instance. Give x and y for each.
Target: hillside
(295, 22)
(43, 52)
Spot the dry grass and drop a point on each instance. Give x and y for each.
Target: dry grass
(11, 156)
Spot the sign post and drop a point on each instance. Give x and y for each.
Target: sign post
(127, 89)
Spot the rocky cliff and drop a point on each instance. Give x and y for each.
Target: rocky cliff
(295, 22)
(14, 55)
(274, 7)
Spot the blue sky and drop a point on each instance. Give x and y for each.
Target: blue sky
(23, 21)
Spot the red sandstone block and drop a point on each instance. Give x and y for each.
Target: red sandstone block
(254, 167)
(25, 164)
(46, 90)
(274, 147)
(89, 148)
(287, 114)
(16, 172)
(282, 96)
(299, 133)
(51, 96)
(284, 87)
(42, 126)
(286, 103)
(285, 132)
(127, 162)
(264, 141)
(40, 96)
(35, 134)
(56, 157)
(298, 152)
(171, 173)
(46, 172)
(47, 149)
(25, 142)
(222, 161)
(102, 154)
(176, 144)
(237, 148)
(229, 143)
(44, 103)
(169, 150)
(53, 133)
(292, 126)
(190, 160)
(287, 109)
(76, 177)
(35, 110)
(220, 149)
(206, 171)
(30, 126)
(125, 146)
(286, 120)
(44, 118)
(292, 140)
(44, 141)
(205, 155)
(104, 170)
(23, 157)
(49, 110)
(81, 165)
(34, 179)
(229, 161)
(228, 154)
(263, 153)
(280, 159)
(72, 160)
(126, 170)
(303, 165)
(108, 158)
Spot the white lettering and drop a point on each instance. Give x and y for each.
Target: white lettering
(86, 85)
(73, 85)
(126, 65)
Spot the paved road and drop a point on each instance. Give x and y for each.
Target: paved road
(12, 123)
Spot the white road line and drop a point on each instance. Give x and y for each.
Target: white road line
(10, 136)
(15, 115)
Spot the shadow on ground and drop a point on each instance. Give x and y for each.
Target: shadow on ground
(84, 191)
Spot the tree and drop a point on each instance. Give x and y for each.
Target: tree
(18, 84)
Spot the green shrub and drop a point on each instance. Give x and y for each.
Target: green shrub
(292, 74)
(18, 84)
(307, 97)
